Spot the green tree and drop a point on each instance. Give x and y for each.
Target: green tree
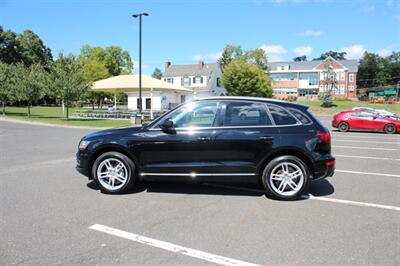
(5, 85)
(113, 58)
(370, 70)
(243, 79)
(300, 58)
(333, 54)
(330, 83)
(257, 57)
(8, 44)
(230, 53)
(30, 83)
(157, 74)
(67, 79)
(32, 50)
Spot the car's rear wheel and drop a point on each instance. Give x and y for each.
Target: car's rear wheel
(390, 129)
(343, 127)
(114, 173)
(285, 178)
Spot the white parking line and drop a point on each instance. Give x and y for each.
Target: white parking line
(385, 136)
(366, 141)
(350, 202)
(365, 173)
(169, 246)
(367, 157)
(363, 148)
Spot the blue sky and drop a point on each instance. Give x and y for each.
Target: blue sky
(187, 31)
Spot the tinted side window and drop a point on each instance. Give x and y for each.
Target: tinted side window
(245, 114)
(195, 114)
(302, 117)
(281, 116)
(356, 114)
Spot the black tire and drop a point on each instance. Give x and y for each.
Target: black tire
(343, 127)
(267, 178)
(390, 129)
(131, 178)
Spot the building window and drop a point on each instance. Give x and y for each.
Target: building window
(351, 88)
(351, 77)
(218, 82)
(197, 80)
(148, 103)
(311, 77)
(308, 92)
(283, 67)
(185, 81)
(183, 98)
(169, 80)
(284, 76)
(138, 103)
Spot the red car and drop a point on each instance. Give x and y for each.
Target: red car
(364, 120)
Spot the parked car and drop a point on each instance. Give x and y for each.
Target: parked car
(283, 147)
(365, 120)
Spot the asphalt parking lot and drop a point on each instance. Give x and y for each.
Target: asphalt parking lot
(50, 214)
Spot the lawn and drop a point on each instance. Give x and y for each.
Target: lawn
(316, 108)
(54, 115)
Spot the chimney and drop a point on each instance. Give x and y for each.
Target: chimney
(200, 64)
(167, 65)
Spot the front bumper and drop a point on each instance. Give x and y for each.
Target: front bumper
(82, 164)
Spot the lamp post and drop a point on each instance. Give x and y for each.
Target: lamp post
(140, 15)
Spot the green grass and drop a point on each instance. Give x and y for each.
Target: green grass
(54, 115)
(316, 108)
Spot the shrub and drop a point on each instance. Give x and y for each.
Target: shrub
(342, 99)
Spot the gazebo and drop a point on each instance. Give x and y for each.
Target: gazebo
(130, 84)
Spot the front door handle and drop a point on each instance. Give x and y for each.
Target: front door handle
(267, 138)
(203, 138)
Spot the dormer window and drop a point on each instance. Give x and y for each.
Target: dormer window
(283, 67)
(185, 81)
(197, 80)
(169, 80)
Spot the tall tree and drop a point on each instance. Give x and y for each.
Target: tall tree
(230, 53)
(32, 50)
(243, 79)
(257, 57)
(67, 79)
(369, 70)
(157, 74)
(300, 58)
(8, 47)
(31, 85)
(115, 59)
(333, 54)
(5, 85)
(94, 70)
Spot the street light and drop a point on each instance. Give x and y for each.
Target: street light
(140, 15)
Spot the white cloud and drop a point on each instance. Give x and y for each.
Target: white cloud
(207, 57)
(311, 33)
(304, 50)
(354, 52)
(274, 52)
(385, 51)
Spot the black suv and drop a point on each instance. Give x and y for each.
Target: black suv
(234, 139)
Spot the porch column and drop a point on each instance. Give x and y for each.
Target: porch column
(151, 104)
(115, 100)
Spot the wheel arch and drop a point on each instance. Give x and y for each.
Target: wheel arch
(286, 151)
(109, 148)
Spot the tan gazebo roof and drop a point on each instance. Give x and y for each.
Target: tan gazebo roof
(130, 83)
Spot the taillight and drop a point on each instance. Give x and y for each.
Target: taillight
(330, 163)
(325, 137)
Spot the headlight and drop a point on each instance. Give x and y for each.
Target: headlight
(83, 144)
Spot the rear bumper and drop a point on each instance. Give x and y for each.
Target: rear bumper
(324, 169)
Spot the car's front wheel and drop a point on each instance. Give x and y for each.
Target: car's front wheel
(285, 178)
(344, 127)
(114, 172)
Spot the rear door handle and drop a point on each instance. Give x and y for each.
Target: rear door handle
(203, 138)
(267, 138)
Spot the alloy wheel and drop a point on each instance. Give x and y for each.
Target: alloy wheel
(286, 179)
(112, 174)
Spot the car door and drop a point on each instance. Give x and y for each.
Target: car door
(362, 120)
(242, 141)
(186, 149)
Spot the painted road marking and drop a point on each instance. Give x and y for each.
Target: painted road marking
(366, 141)
(36, 165)
(383, 136)
(365, 173)
(169, 246)
(350, 202)
(363, 148)
(367, 157)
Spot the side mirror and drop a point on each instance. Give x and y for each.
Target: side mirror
(167, 125)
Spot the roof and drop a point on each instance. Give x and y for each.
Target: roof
(248, 98)
(130, 83)
(351, 65)
(190, 70)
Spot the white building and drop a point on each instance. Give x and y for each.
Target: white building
(203, 79)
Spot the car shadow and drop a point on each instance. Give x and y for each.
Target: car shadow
(317, 188)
